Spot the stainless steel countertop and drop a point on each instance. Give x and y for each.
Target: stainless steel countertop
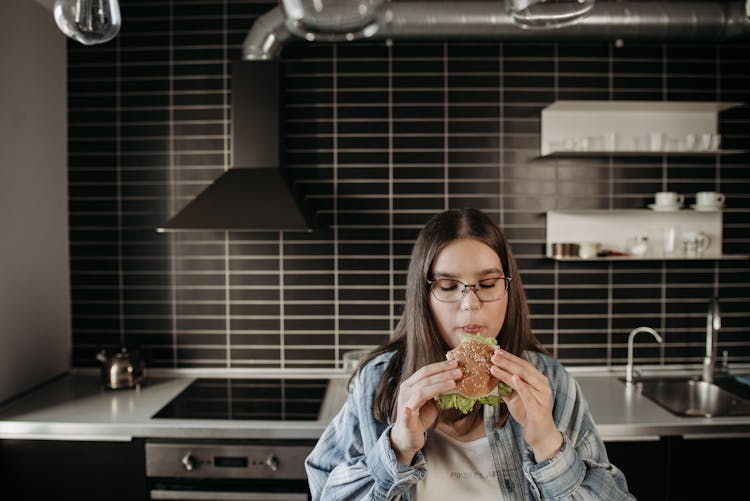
(622, 413)
(76, 407)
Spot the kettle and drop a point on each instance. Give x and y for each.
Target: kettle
(123, 369)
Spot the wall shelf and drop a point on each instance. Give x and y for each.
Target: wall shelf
(639, 127)
(641, 154)
(723, 257)
(612, 228)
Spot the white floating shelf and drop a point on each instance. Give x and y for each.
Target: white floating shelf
(629, 121)
(612, 228)
(623, 153)
(652, 258)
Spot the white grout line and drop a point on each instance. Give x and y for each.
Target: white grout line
(391, 268)
(228, 147)
(172, 196)
(118, 151)
(336, 290)
(446, 138)
(282, 316)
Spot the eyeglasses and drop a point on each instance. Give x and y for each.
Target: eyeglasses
(449, 290)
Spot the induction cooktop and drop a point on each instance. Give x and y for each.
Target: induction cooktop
(284, 399)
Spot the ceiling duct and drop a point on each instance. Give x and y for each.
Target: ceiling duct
(547, 14)
(709, 21)
(333, 20)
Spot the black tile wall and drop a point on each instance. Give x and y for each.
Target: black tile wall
(378, 138)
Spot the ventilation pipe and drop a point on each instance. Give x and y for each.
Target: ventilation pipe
(709, 21)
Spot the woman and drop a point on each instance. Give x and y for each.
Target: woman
(390, 440)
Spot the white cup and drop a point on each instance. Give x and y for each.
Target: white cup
(668, 199)
(611, 141)
(657, 141)
(715, 142)
(704, 141)
(709, 198)
(588, 250)
(691, 142)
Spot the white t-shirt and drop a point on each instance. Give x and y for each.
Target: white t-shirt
(457, 470)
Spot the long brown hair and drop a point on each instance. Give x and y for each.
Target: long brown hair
(416, 339)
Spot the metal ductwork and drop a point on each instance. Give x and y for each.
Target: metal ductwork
(709, 21)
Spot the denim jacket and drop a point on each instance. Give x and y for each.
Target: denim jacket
(354, 459)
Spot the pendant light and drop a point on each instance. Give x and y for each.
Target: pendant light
(88, 21)
(546, 14)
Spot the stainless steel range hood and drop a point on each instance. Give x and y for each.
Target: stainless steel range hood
(255, 193)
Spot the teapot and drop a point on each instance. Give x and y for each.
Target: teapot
(124, 369)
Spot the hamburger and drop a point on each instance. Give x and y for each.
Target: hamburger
(477, 384)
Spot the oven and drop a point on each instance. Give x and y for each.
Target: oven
(267, 469)
(217, 471)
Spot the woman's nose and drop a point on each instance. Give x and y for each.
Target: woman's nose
(470, 300)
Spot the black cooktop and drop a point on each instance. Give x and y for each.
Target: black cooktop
(251, 399)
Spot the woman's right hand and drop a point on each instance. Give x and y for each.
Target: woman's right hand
(417, 410)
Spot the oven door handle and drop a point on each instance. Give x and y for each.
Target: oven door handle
(227, 496)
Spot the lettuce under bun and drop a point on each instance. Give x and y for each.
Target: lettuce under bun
(477, 383)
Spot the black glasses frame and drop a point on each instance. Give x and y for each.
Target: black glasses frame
(473, 287)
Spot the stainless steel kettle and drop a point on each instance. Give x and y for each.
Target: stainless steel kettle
(123, 369)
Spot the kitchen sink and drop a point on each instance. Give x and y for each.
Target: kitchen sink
(693, 397)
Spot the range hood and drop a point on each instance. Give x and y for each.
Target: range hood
(255, 193)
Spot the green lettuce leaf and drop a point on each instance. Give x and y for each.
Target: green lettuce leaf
(464, 404)
(486, 340)
(455, 401)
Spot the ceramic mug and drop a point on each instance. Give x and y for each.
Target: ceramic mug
(668, 199)
(709, 199)
(588, 250)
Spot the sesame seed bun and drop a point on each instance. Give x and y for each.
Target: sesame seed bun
(473, 356)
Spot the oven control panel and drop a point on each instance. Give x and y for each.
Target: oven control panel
(185, 460)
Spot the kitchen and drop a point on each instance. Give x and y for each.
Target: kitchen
(377, 137)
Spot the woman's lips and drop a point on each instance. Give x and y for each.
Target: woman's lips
(470, 328)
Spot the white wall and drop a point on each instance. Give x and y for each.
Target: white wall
(35, 335)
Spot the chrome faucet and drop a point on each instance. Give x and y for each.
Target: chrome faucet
(629, 368)
(713, 324)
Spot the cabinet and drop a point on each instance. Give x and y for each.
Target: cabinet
(80, 470)
(708, 468)
(679, 468)
(645, 465)
(586, 128)
(612, 229)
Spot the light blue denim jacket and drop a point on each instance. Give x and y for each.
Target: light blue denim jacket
(354, 459)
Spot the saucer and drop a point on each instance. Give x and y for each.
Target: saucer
(664, 208)
(707, 208)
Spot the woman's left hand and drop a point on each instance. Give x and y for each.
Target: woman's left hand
(530, 403)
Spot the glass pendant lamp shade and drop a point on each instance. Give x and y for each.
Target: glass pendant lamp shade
(543, 14)
(88, 21)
